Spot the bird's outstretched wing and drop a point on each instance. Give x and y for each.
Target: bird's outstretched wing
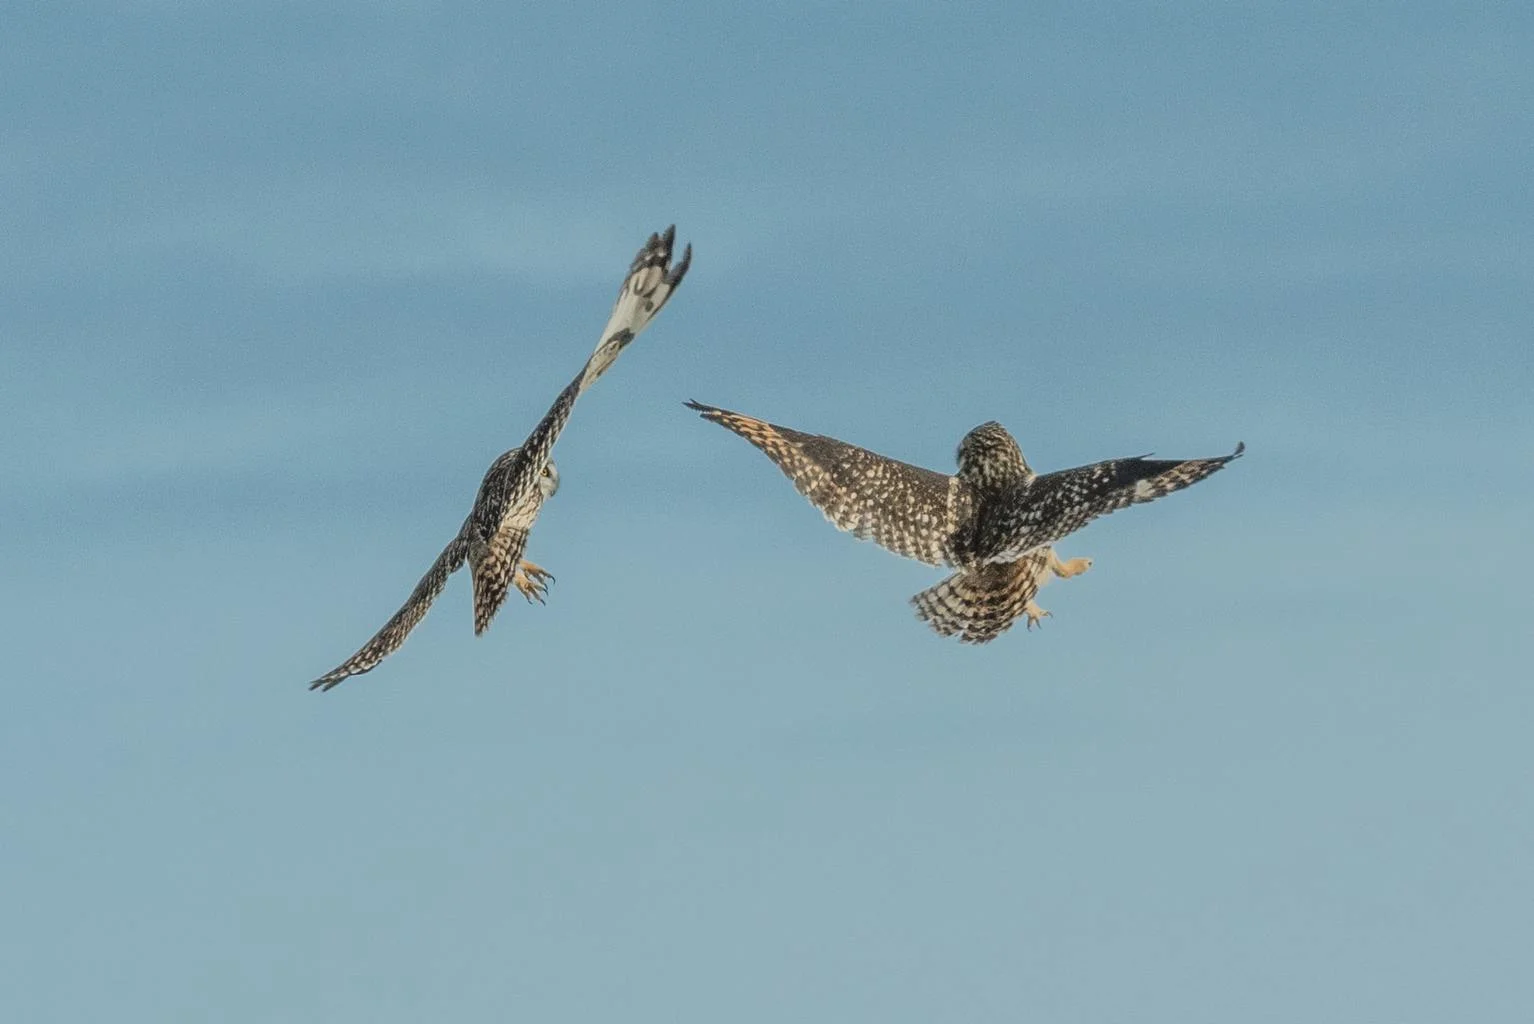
(388, 639)
(495, 534)
(649, 285)
(1060, 503)
(900, 507)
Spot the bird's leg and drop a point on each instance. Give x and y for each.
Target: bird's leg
(1034, 613)
(532, 580)
(1065, 570)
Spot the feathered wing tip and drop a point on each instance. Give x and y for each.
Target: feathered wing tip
(712, 413)
(775, 441)
(657, 251)
(356, 665)
(978, 605)
(645, 291)
(388, 639)
(1175, 476)
(764, 435)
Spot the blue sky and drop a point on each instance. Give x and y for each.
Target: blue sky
(282, 281)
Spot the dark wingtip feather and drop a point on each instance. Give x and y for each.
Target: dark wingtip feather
(693, 403)
(679, 271)
(1240, 450)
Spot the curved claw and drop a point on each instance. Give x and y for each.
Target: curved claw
(532, 582)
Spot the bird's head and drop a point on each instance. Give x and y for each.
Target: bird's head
(548, 480)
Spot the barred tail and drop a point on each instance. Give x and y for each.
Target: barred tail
(490, 583)
(494, 564)
(978, 605)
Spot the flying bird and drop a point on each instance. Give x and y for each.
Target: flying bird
(995, 521)
(493, 537)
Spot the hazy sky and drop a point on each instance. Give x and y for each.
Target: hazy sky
(282, 279)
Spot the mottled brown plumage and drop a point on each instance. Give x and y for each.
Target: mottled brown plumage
(493, 538)
(995, 521)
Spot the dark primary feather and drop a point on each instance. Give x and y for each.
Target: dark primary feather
(902, 508)
(1060, 503)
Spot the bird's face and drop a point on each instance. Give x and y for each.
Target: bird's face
(548, 480)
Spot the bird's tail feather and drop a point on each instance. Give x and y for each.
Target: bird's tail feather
(978, 605)
(494, 565)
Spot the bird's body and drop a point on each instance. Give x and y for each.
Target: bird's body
(995, 520)
(493, 538)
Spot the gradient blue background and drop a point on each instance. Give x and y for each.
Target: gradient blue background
(280, 282)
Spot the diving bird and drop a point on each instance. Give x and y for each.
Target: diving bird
(995, 521)
(494, 536)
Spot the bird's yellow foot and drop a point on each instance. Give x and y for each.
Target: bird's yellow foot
(532, 580)
(1035, 614)
(1075, 567)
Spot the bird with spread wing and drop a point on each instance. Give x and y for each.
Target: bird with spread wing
(494, 536)
(996, 521)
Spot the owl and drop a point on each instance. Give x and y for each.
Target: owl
(493, 537)
(995, 521)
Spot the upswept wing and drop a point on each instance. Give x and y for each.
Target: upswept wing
(650, 283)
